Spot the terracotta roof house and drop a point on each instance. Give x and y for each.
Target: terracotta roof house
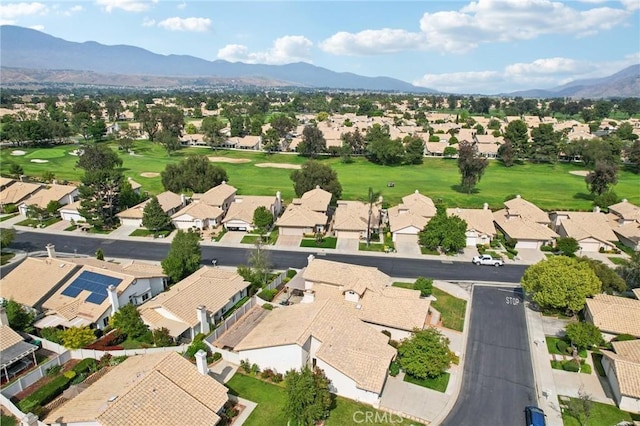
(368, 293)
(351, 219)
(16, 355)
(622, 368)
(220, 196)
(480, 226)
(197, 215)
(435, 149)
(169, 201)
(152, 389)
(97, 290)
(624, 219)
(70, 212)
(4, 182)
(64, 194)
(192, 305)
(18, 192)
(134, 185)
(307, 214)
(590, 229)
(247, 142)
(411, 216)
(524, 222)
(353, 356)
(614, 315)
(240, 214)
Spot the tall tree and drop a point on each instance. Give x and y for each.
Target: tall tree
(600, 180)
(630, 270)
(584, 334)
(282, 124)
(262, 219)
(20, 319)
(414, 149)
(446, 233)
(425, 354)
(128, 320)
(506, 153)
(211, 127)
(154, 218)
(99, 197)
(313, 142)
(633, 156)
(77, 337)
(184, 256)
(611, 281)
(308, 396)
(546, 143)
(372, 198)
(260, 263)
(312, 174)
(517, 133)
(98, 157)
(169, 141)
(194, 173)
(471, 166)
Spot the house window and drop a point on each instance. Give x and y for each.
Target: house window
(145, 297)
(105, 322)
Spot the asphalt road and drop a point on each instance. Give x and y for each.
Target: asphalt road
(498, 377)
(391, 265)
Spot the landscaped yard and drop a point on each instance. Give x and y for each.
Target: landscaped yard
(436, 178)
(36, 223)
(141, 232)
(271, 400)
(9, 216)
(617, 260)
(451, 308)
(403, 285)
(552, 346)
(437, 383)
(326, 243)
(601, 414)
(372, 247)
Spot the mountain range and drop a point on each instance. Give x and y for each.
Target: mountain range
(30, 56)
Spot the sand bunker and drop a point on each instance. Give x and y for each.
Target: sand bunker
(76, 152)
(39, 161)
(228, 160)
(279, 165)
(149, 174)
(580, 172)
(17, 152)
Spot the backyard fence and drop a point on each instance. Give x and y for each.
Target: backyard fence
(36, 374)
(230, 320)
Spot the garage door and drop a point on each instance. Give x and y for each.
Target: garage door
(131, 222)
(527, 244)
(290, 231)
(590, 246)
(352, 235)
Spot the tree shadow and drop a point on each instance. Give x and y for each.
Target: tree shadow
(458, 188)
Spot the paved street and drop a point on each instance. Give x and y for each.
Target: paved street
(498, 378)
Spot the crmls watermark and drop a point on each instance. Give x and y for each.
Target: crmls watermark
(376, 417)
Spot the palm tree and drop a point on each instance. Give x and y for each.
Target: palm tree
(371, 199)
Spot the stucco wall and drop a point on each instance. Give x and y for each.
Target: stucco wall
(279, 358)
(345, 386)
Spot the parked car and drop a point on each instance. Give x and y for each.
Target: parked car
(486, 259)
(534, 416)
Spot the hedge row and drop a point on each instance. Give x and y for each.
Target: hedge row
(47, 392)
(85, 365)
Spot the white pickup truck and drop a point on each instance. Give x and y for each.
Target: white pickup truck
(486, 259)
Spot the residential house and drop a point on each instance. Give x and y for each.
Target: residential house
(152, 389)
(614, 315)
(307, 214)
(17, 192)
(63, 194)
(590, 229)
(16, 355)
(411, 216)
(97, 290)
(240, 214)
(352, 221)
(435, 149)
(195, 303)
(246, 142)
(487, 145)
(524, 222)
(480, 227)
(624, 219)
(170, 202)
(220, 196)
(70, 212)
(135, 186)
(197, 215)
(622, 368)
(5, 182)
(354, 357)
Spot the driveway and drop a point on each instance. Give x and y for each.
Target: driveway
(233, 237)
(289, 241)
(350, 244)
(555, 326)
(413, 400)
(530, 256)
(407, 245)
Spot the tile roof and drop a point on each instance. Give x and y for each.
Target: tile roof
(419, 204)
(346, 276)
(168, 201)
(316, 199)
(211, 287)
(152, 389)
(21, 286)
(519, 228)
(399, 219)
(629, 350)
(134, 268)
(199, 210)
(626, 210)
(581, 225)
(626, 365)
(8, 337)
(71, 207)
(299, 216)
(614, 314)
(354, 216)
(244, 207)
(217, 195)
(480, 220)
(347, 344)
(520, 207)
(18, 191)
(5, 181)
(52, 193)
(629, 230)
(134, 185)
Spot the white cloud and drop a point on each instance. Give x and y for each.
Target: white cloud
(37, 27)
(285, 50)
(126, 5)
(12, 11)
(481, 21)
(72, 10)
(182, 5)
(186, 24)
(538, 74)
(148, 22)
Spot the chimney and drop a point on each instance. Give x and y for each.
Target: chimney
(201, 362)
(485, 206)
(3, 316)
(113, 298)
(596, 209)
(310, 259)
(309, 296)
(51, 251)
(203, 319)
(183, 200)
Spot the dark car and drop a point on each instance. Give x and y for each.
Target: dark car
(534, 416)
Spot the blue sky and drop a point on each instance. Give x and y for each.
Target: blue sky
(482, 46)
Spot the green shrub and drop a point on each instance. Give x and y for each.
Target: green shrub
(571, 366)
(195, 346)
(255, 369)
(394, 369)
(117, 360)
(217, 356)
(267, 306)
(277, 378)
(46, 393)
(562, 346)
(52, 334)
(556, 364)
(623, 338)
(425, 285)
(547, 248)
(267, 294)
(291, 273)
(199, 336)
(53, 371)
(69, 374)
(87, 364)
(10, 208)
(245, 365)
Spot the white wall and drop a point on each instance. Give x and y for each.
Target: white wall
(345, 386)
(131, 222)
(411, 230)
(70, 214)
(630, 404)
(237, 223)
(279, 358)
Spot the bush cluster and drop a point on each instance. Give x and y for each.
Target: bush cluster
(271, 375)
(267, 306)
(267, 294)
(46, 393)
(394, 368)
(563, 347)
(291, 273)
(86, 365)
(571, 366)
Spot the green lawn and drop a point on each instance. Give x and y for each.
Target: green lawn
(549, 187)
(271, 400)
(9, 216)
(437, 383)
(250, 239)
(36, 222)
(403, 285)
(617, 260)
(601, 414)
(326, 243)
(451, 308)
(552, 345)
(372, 247)
(5, 256)
(146, 233)
(8, 420)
